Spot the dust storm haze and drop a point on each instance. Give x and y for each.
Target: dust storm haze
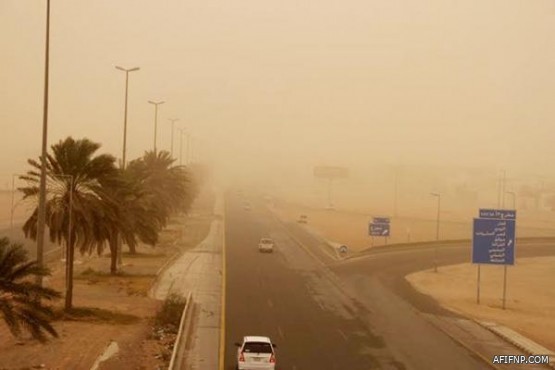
(440, 95)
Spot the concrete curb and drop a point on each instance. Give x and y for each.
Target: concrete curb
(162, 268)
(182, 335)
(461, 343)
(524, 344)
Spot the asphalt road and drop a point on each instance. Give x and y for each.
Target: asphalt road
(364, 316)
(283, 296)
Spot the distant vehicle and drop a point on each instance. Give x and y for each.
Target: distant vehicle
(303, 219)
(247, 206)
(256, 353)
(266, 245)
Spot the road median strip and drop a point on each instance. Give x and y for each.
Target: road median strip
(183, 335)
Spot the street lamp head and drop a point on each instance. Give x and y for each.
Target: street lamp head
(156, 103)
(128, 69)
(435, 194)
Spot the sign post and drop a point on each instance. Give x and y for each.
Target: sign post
(380, 226)
(493, 242)
(330, 173)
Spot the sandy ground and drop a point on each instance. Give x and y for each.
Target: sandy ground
(122, 311)
(351, 228)
(530, 295)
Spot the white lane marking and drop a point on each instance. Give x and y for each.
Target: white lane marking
(270, 303)
(342, 334)
(280, 332)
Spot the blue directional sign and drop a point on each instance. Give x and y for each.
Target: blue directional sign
(378, 229)
(504, 214)
(380, 220)
(493, 241)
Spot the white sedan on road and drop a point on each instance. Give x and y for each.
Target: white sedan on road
(256, 353)
(266, 245)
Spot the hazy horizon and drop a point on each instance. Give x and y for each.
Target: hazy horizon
(288, 85)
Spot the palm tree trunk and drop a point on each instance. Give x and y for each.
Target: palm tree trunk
(113, 254)
(70, 252)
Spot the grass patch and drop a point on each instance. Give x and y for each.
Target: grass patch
(169, 315)
(93, 314)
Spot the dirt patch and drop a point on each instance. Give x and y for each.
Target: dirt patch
(110, 308)
(530, 297)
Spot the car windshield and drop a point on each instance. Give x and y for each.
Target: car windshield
(266, 241)
(257, 347)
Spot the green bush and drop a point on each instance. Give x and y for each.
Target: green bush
(169, 315)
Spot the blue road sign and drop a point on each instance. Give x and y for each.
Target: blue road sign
(504, 214)
(380, 220)
(378, 229)
(493, 241)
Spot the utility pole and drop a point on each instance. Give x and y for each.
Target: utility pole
(156, 104)
(173, 121)
(438, 195)
(126, 70)
(41, 217)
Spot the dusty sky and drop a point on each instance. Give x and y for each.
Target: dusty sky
(289, 83)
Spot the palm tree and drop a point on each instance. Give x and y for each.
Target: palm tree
(136, 220)
(148, 191)
(73, 172)
(20, 296)
(169, 185)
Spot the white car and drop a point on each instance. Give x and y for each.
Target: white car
(256, 353)
(266, 245)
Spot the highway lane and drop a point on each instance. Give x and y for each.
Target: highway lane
(282, 295)
(290, 297)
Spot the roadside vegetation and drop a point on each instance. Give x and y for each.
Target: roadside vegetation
(166, 324)
(91, 203)
(21, 299)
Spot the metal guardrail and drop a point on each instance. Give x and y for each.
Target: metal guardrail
(182, 335)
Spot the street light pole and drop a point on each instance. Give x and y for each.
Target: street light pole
(13, 201)
(126, 70)
(503, 188)
(156, 104)
(189, 150)
(438, 195)
(41, 217)
(173, 121)
(181, 131)
(514, 198)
